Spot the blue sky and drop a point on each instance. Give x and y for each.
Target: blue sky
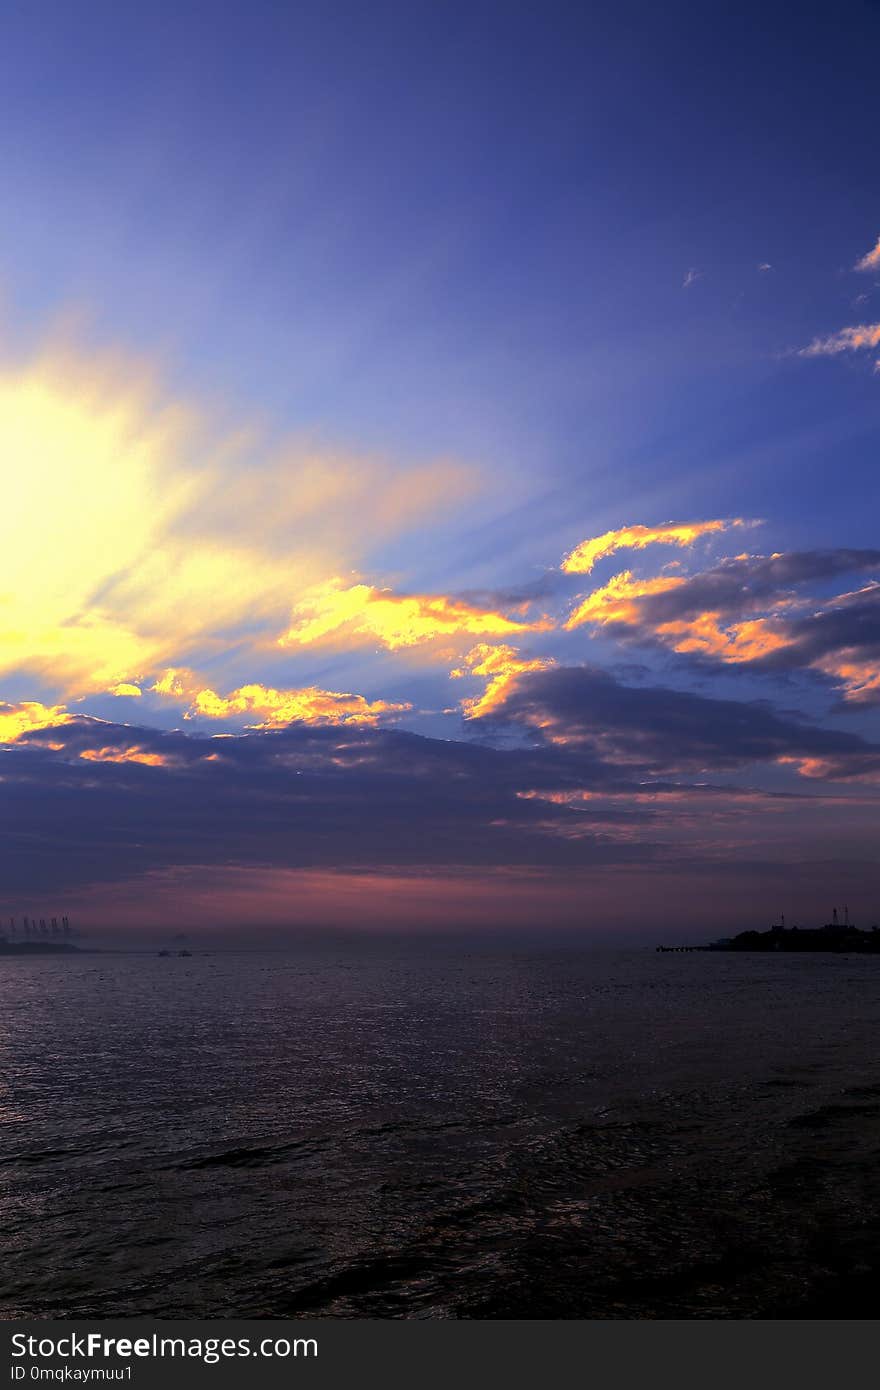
(510, 277)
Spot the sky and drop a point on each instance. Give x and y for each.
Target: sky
(439, 465)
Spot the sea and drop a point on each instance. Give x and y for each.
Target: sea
(402, 1131)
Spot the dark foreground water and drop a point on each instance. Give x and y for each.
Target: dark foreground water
(496, 1134)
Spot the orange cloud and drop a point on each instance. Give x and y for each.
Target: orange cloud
(584, 556)
(859, 678)
(705, 633)
(827, 770)
(132, 754)
(396, 620)
(27, 717)
(819, 768)
(733, 642)
(871, 261)
(274, 708)
(626, 602)
(617, 601)
(856, 339)
(502, 666)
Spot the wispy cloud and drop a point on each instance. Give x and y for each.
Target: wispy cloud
(855, 339)
(871, 260)
(691, 277)
(584, 556)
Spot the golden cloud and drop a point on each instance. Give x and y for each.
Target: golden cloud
(618, 600)
(28, 717)
(176, 681)
(275, 708)
(501, 666)
(584, 556)
(363, 613)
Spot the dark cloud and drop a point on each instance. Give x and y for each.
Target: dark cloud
(848, 625)
(837, 637)
(89, 802)
(298, 797)
(662, 731)
(742, 587)
(513, 599)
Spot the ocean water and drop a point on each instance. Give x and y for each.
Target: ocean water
(390, 1132)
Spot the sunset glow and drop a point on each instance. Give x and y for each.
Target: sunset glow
(410, 476)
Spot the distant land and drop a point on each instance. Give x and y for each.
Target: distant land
(50, 937)
(36, 948)
(834, 936)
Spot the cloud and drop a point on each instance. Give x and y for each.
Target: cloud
(856, 339)
(130, 753)
(359, 612)
(870, 261)
(745, 582)
(310, 705)
(30, 722)
(735, 643)
(584, 556)
(691, 277)
(323, 822)
(617, 601)
(657, 732)
(860, 679)
(268, 708)
(751, 611)
(28, 717)
(501, 666)
(840, 638)
(104, 803)
(114, 802)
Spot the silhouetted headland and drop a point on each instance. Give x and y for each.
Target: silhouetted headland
(835, 936)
